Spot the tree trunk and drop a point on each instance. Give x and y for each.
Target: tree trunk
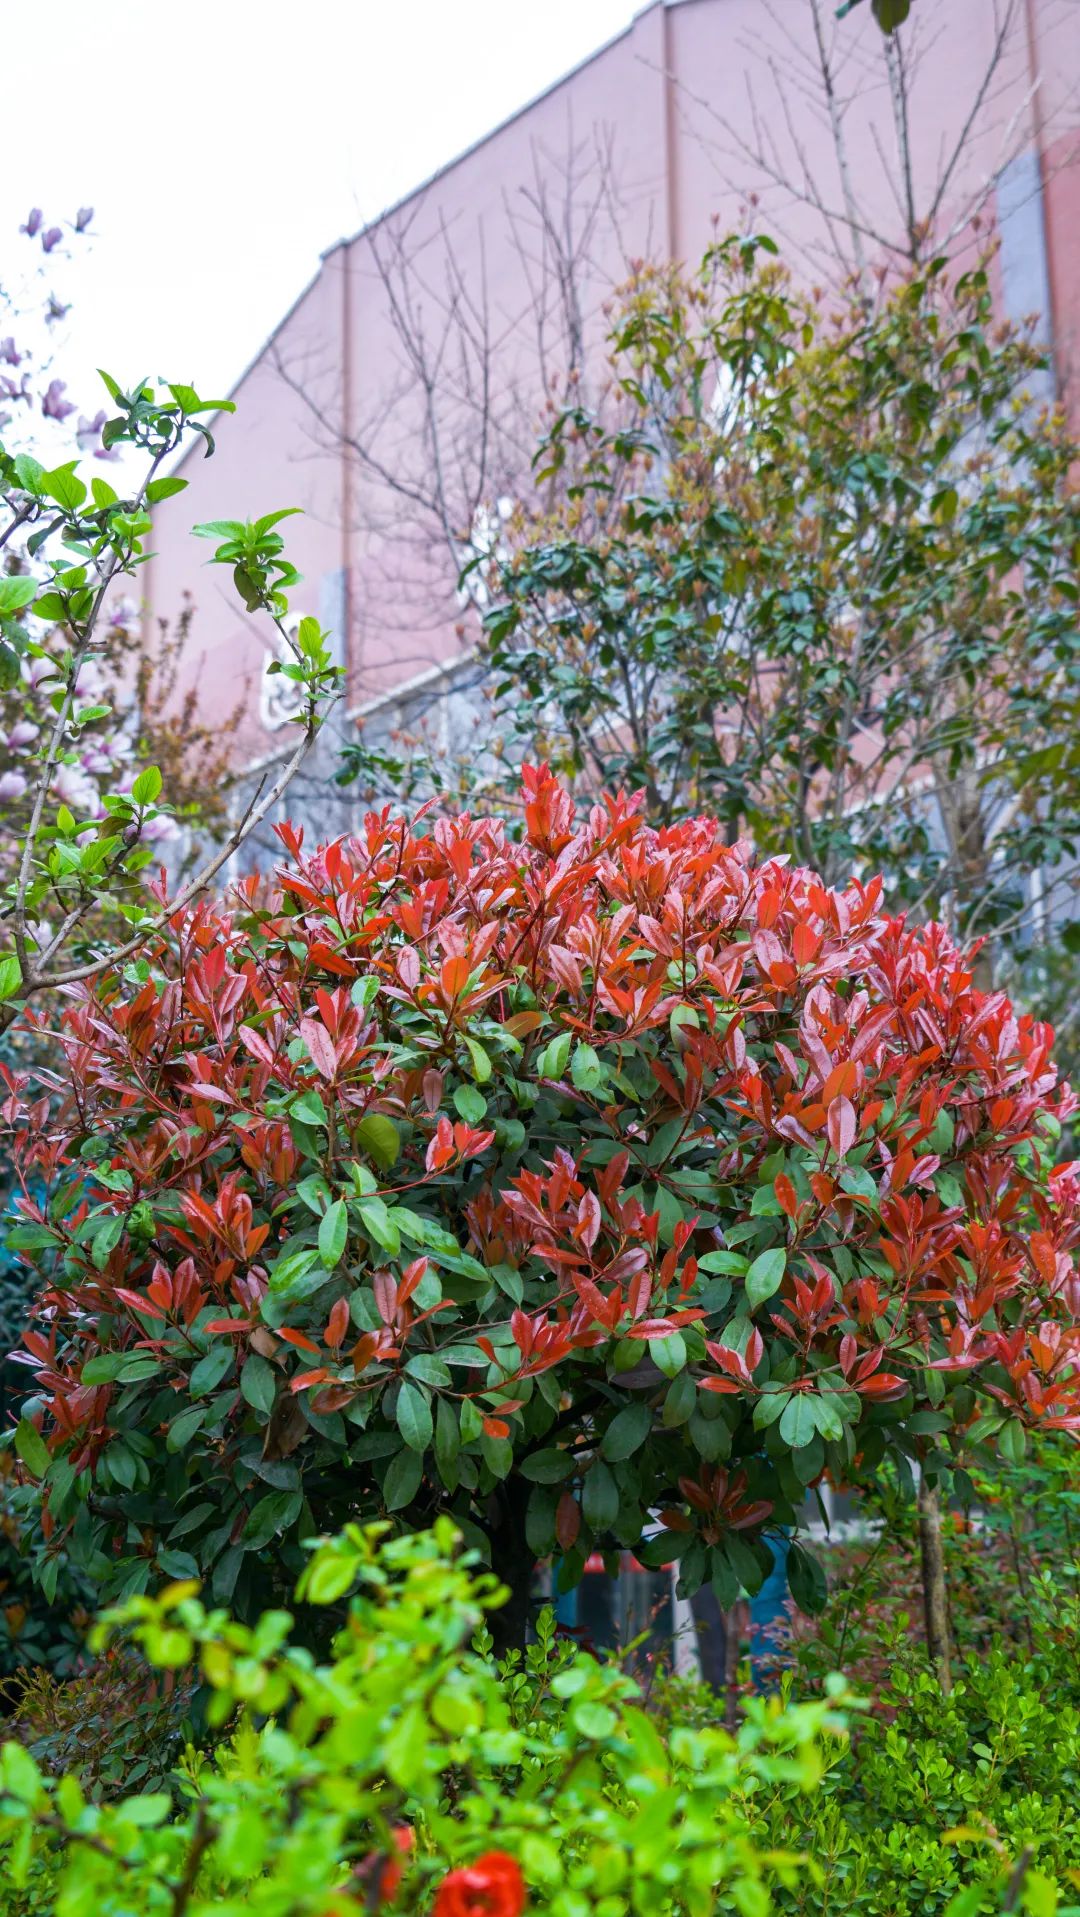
(935, 1599)
(515, 1564)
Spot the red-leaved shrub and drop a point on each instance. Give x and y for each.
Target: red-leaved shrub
(556, 1183)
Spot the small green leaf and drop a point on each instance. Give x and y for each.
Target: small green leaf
(470, 1104)
(377, 1135)
(147, 786)
(16, 591)
(798, 1423)
(402, 1480)
(626, 1433)
(333, 1233)
(600, 1497)
(765, 1276)
(211, 1369)
(481, 1063)
(547, 1467)
(806, 1581)
(414, 1416)
(258, 1383)
(32, 1448)
(379, 1224)
(10, 976)
(160, 489)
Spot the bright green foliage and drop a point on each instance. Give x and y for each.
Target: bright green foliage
(81, 539)
(942, 1796)
(551, 1759)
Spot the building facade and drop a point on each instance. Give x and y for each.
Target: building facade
(398, 401)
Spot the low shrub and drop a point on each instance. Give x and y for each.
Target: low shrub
(410, 1765)
(411, 1770)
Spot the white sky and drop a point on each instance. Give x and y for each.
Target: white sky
(258, 132)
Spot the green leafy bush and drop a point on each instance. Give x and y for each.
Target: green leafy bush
(938, 1795)
(410, 1751)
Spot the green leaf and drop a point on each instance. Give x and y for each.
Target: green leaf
(160, 489)
(211, 1369)
(147, 786)
(798, 1423)
(184, 1427)
(470, 1104)
(30, 474)
(32, 1448)
(891, 14)
(64, 485)
(806, 1581)
(626, 1433)
(586, 1070)
(402, 1480)
(447, 1442)
(10, 976)
(106, 1239)
(258, 1383)
(379, 1224)
(413, 1415)
(16, 591)
(481, 1063)
(540, 1520)
(430, 1369)
(765, 1276)
(377, 1135)
(270, 1516)
(668, 1353)
(333, 1233)
(600, 1496)
(547, 1467)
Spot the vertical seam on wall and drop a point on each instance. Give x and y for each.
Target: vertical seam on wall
(1040, 161)
(346, 461)
(670, 132)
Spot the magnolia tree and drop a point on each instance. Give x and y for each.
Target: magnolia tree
(82, 837)
(90, 708)
(571, 1186)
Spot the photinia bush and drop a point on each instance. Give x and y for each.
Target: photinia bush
(568, 1185)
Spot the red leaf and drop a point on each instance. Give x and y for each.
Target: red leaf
(321, 1046)
(842, 1126)
(298, 1339)
(567, 1521)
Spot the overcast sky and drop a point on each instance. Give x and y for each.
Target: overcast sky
(225, 143)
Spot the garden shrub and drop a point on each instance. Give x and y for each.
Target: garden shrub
(405, 1761)
(550, 1183)
(938, 1794)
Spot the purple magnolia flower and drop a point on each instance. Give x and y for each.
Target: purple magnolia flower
(51, 239)
(54, 311)
(21, 735)
(33, 224)
(83, 218)
(16, 389)
(74, 789)
(54, 405)
(159, 830)
(12, 787)
(37, 671)
(9, 352)
(90, 429)
(89, 683)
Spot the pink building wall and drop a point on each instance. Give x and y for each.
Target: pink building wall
(675, 103)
